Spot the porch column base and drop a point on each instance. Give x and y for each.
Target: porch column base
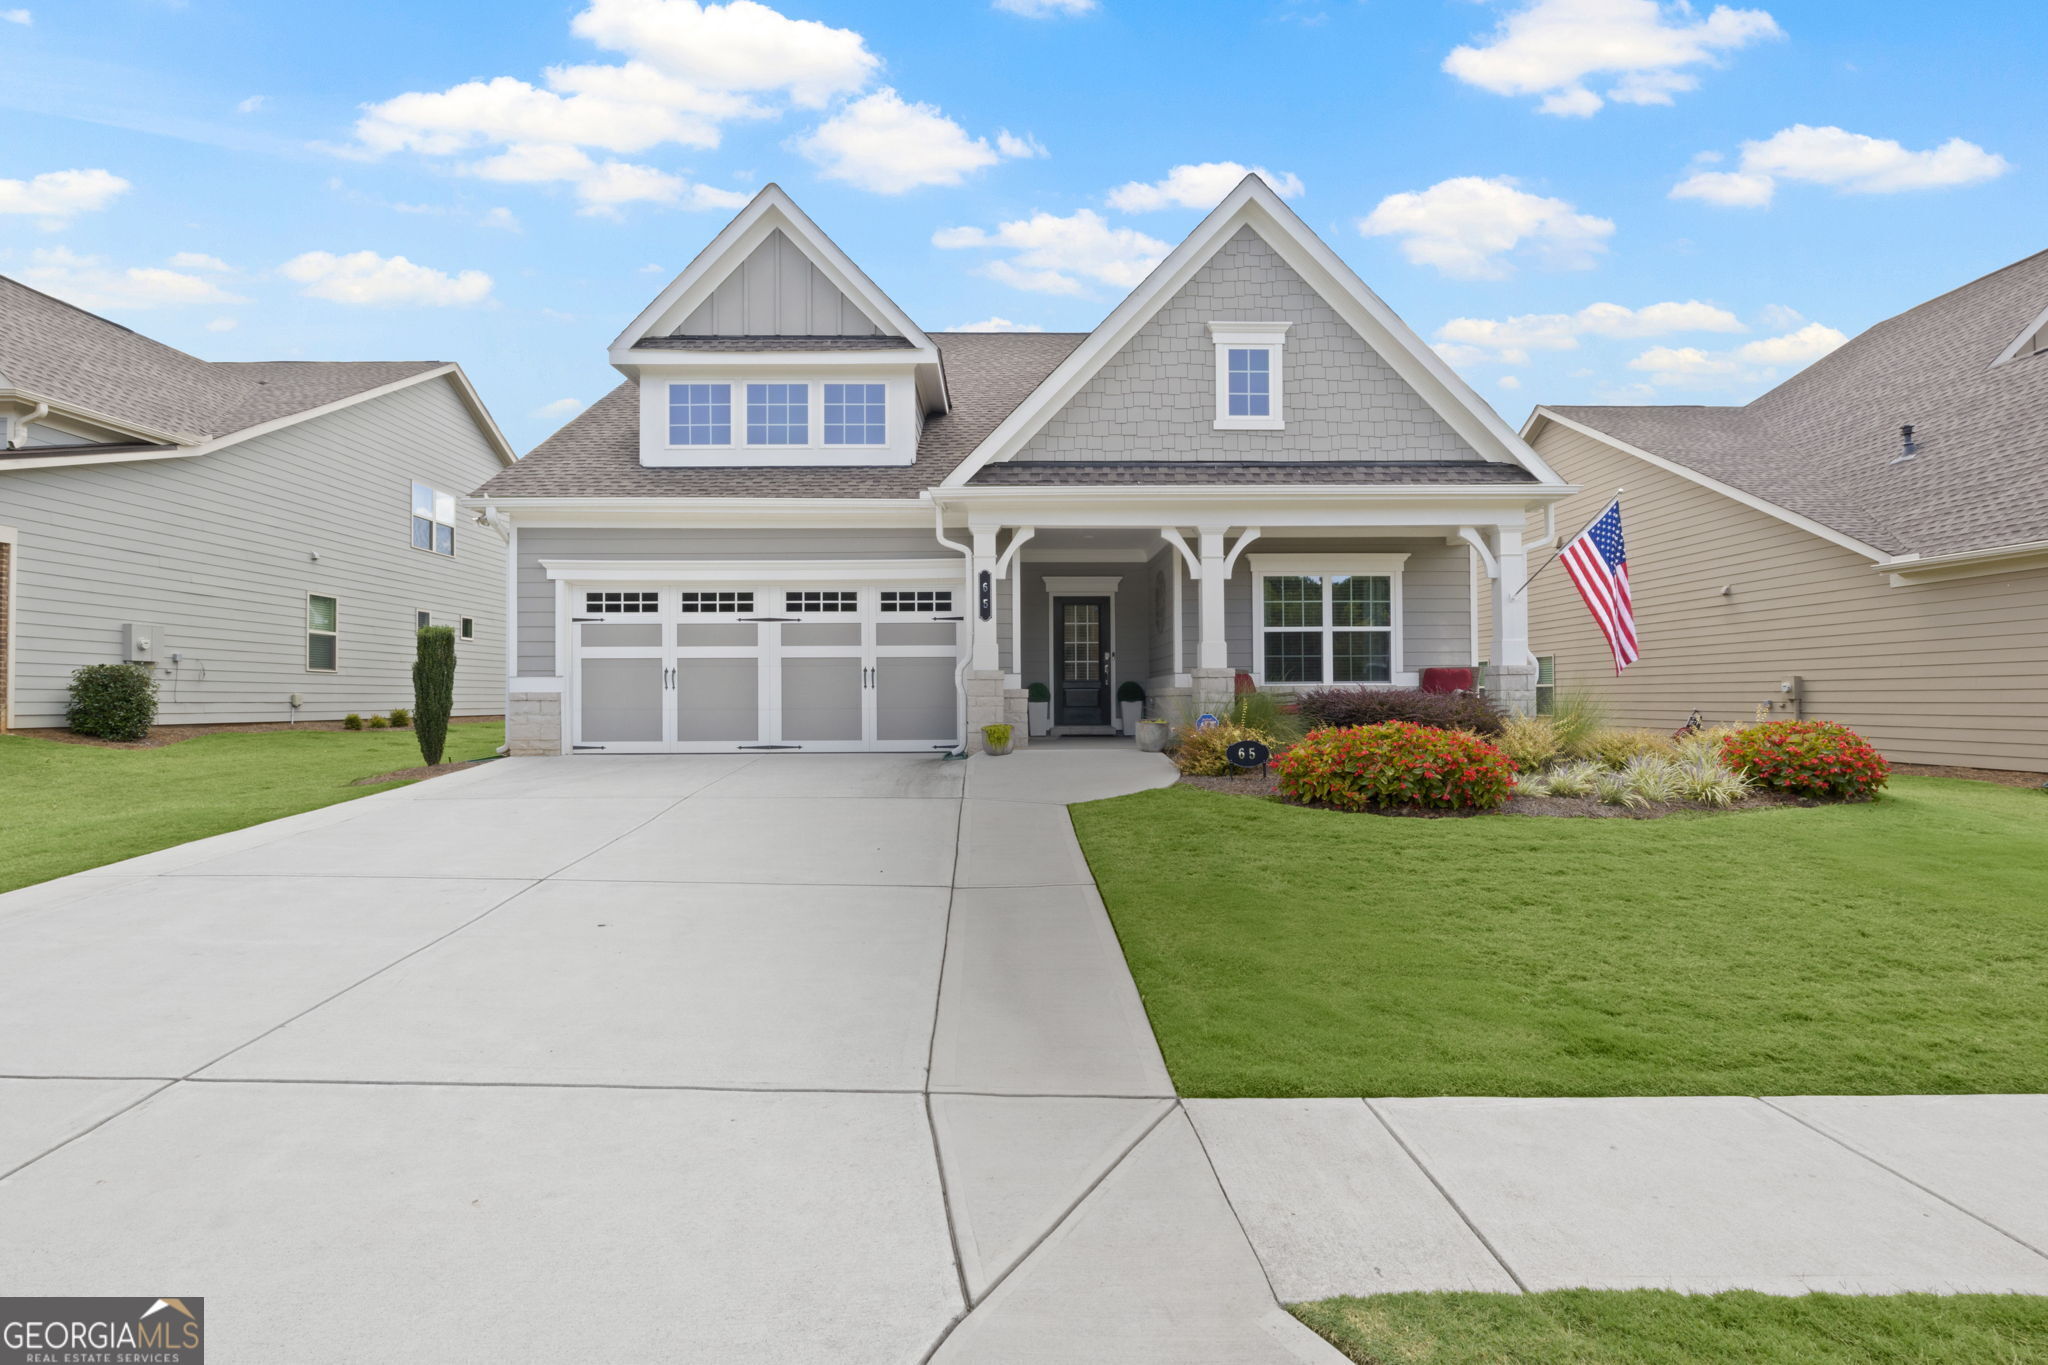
(533, 724)
(1513, 686)
(988, 703)
(1215, 691)
(1017, 715)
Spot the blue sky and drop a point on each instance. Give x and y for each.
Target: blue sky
(239, 177)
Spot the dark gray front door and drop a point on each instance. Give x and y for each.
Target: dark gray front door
(1081, 626)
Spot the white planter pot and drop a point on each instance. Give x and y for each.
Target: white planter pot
(1132, 712)
(1152, 736)
(1041, 718)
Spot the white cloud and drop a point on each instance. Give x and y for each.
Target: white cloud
(1852, 163)
(885, 144)
(1055, 255)
(1199, 186)
(502, 218)
(1508, 381)
(560, 408)
(1025, 148)
(1753, 362)
(1466, 226)
(1046, 9)
(1510, 340)
(997, 325)
(1551, 47)
(690, 69)
(57, 195)
(17, 16)
(90, 282)
(364, 277)
(250, 105)
(199, 260)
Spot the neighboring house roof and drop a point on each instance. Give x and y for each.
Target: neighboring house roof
(1319, 472)
(1824, 445)
(55, 352)
(598, 453)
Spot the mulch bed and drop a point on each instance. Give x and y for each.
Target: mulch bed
(1998, 775)
(417, 774)
(161, 735)
(1570, 807)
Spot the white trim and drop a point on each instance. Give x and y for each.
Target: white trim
(775, 571)
(1237, 549)
(683, 512)
(1270, 337)
(10, 538)
(1907, 570)
(2032, 329)
(1253, 202)
(1750, 500)
(1387, 566)
(42, 405)
(1061, 556)
(1469, 535)
(534, 683)
(306, 645)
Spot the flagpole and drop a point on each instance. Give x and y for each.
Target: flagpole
(1568, 540)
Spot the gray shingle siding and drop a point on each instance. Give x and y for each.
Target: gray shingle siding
(217, 552)
(1156, 398)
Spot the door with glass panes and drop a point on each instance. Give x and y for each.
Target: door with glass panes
(736, 667)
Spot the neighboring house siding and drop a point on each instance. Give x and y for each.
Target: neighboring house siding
(216, 551)
(1156, 399)
(776, 291)
(1436, 598)
(538, 543)
(1943, 672)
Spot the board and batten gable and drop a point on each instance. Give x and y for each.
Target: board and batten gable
(218, 552)
(1156, 398)
(1943, 672)
(777, 291)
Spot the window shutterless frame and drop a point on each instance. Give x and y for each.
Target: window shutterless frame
(1250, 375)
(433, 520)
(1315, 617)
(323, 634)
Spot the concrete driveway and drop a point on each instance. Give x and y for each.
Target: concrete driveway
(718, 1059)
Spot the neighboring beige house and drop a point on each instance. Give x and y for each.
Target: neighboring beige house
(1802, 554)
(267, 535)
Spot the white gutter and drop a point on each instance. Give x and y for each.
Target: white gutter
(17, 427)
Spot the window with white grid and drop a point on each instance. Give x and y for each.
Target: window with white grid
(939, 600)
(807, 601)
(622, 603)
(778, 414)
(715, 603)
(856, 415)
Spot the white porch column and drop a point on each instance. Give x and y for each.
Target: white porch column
(1511, 668)
(988, 700)
(987, 651)
(1215, 681)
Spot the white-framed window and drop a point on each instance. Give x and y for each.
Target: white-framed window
(700, 414)
(323, 634)
(433, 520)
(1250, 392)
(778, 414)
(1325, 619)
(856, 414)
(1546, 684)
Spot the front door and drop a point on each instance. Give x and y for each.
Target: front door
(1081, 637)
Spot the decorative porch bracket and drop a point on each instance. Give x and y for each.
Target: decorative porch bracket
(1470, 535)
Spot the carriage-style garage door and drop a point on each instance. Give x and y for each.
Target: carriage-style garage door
(728, 666)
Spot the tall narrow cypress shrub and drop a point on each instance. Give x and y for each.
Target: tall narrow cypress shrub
(433, 690)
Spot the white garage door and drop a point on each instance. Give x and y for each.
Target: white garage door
(729, 666)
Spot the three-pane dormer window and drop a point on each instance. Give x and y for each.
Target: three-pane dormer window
(778, 414)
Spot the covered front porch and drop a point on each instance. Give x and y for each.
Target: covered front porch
(1179, 590)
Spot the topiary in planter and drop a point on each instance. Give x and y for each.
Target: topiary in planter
(1130, 691)
(1038, 692)
(112, 701)
(1396, 766)
(433, 690)
(1349, 706)
(1816, 758)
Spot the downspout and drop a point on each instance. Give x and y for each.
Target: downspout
(967, 651)
(17, 427)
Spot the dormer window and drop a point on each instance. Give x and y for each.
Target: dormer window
(1248, 375)
(856, 415)
(778, 414)
(700, 414)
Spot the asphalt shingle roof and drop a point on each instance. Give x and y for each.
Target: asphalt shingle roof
(1154, 472)
(1824, 442)
(65, 354)
(778, 343)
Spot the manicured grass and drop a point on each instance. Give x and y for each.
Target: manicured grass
(1886, 948)
(1655, 1327)
(74, 806)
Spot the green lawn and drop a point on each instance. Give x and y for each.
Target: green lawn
(1888, 948)
(1654, 1327)
(74, 806)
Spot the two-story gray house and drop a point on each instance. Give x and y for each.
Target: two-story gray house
(268, 536)
(803, 522)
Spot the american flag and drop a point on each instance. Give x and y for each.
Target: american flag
(1598, 564)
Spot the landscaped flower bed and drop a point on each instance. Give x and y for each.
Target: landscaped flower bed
(1815, 758)
(1396, 765)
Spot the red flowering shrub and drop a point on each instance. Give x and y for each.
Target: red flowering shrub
(1807, 758)
(1396, 765)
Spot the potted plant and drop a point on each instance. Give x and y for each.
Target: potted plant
(995, 740)
(1153, 735)
(1041, 709)
(1130, 699)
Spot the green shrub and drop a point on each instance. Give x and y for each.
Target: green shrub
(351, 721)
(1615, 748)
(400, 717)
(1038, 692)
(112, 701)
(1815, 758)
(1130, 690)
(1200, 750)
(1396, 765)
(1577, 717)
(1348, 706)
(1262, 711)
(1530, 742)
(378, 723)
(433, 690)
